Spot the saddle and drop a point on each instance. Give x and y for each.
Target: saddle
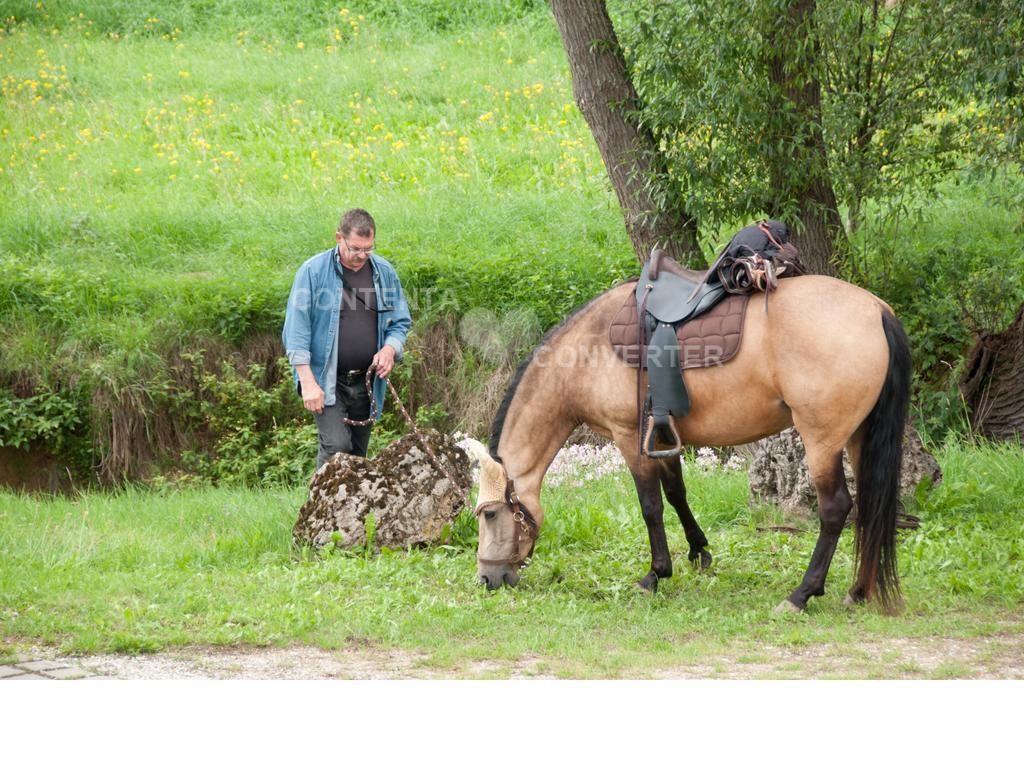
(678, 318)
(707, 332)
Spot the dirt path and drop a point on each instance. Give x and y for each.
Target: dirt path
(999, 657)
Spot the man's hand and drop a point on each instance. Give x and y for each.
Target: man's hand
(312, 395)
(384, 361)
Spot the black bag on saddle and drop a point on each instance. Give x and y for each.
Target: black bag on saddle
(755, 257)
(755, 239)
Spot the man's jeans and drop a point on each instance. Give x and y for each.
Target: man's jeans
(336, 436)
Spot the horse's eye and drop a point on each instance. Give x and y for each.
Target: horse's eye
(489, 514)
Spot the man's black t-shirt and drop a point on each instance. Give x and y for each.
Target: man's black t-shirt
(357, 332)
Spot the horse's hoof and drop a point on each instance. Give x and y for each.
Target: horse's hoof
(852, 599)
(787, 607)
(650, 583)
(702, 560)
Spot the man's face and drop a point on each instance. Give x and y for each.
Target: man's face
(354, 249)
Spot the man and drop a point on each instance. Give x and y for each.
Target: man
(346, 314)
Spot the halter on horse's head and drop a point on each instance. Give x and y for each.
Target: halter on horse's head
(507, 529)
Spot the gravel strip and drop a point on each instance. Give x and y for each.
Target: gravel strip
(995, 657)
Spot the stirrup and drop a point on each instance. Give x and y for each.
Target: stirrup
(668, 453)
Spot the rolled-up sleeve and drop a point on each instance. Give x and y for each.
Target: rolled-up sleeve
(298, 357)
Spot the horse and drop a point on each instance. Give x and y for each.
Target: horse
(821, 354)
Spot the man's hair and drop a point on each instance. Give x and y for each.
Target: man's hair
(359, 220)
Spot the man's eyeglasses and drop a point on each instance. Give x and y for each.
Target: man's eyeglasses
(359, 251)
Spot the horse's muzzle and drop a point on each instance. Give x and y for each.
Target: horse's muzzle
(493, 578)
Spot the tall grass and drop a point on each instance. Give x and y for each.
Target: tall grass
(283, 18)
(164, 178)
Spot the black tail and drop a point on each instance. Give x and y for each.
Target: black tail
(878, 482)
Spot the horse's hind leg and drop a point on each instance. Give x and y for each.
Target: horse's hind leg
(853, 446)
(675, 491)
(853, 450)
(834, 503)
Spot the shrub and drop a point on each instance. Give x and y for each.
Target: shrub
(46, 417)
(260, 434)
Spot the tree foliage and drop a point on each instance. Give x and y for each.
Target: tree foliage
(909, 91)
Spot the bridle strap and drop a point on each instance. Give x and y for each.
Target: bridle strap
(524, 525)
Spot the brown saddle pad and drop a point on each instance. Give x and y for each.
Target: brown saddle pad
(711, 339)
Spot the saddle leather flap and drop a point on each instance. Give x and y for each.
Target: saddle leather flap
(711, 339)
(664, 289)
(663, 367)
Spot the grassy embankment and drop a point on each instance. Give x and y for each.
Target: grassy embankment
(163, 174)
(161, 185)
(141, 571)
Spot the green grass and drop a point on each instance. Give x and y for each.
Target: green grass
(141, 571)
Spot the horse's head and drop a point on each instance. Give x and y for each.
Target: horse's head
(507, 529)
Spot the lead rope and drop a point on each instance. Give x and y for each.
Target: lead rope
(415, 430)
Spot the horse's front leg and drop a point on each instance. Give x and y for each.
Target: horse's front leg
(675, 492)
(648, 489)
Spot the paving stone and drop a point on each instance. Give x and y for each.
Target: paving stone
(42, 665)
(67, 673)
(28, 676)
(8, 671)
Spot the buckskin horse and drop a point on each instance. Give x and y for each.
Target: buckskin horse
(822, 355)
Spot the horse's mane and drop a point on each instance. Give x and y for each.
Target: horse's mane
(502, 412)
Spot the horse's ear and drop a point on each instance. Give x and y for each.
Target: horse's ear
(476, 450)
(492, 480)
(490, 470)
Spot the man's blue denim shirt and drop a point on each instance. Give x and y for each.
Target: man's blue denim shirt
(310, 333)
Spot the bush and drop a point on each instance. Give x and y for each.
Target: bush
(260, 435)
(48, 417)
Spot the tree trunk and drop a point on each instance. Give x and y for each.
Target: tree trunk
(821, 238)
(800, 171)
(605, 95)
(993, 383)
